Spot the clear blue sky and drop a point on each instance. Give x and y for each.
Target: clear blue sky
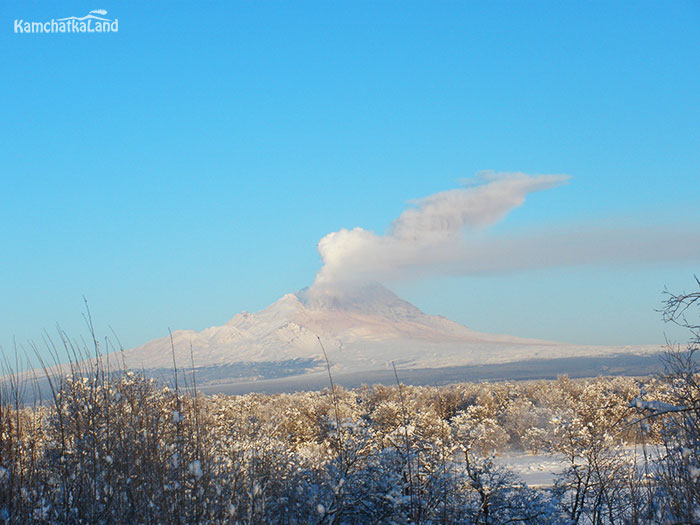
(184, 169)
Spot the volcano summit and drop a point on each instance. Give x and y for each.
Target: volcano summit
(363, 328)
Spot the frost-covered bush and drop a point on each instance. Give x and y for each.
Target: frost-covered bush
(122, 448)
(672, 415)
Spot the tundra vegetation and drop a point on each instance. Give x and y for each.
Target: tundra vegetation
(118, 447)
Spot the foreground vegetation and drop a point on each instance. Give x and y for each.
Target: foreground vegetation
(122, 448)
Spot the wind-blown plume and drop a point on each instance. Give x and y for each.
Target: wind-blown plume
(442, 234)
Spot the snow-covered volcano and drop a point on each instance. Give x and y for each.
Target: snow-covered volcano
(363, 328)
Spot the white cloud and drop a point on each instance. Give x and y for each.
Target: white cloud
(444, 234)
(488, 200)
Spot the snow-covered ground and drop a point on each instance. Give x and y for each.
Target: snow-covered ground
(536, 470)
(540, 470)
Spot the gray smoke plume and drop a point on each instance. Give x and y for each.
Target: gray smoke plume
(445, 233)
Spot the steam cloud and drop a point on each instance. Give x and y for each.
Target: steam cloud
(444, 234)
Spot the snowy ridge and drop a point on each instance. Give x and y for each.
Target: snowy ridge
(362, 328)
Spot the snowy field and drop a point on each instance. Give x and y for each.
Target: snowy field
(541, 470)
(535, 369)
(535, 470)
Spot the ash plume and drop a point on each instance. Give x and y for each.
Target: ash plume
(447, 233)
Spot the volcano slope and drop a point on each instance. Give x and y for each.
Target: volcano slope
(365, 329)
